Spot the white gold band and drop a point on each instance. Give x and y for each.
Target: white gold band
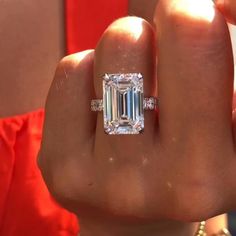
(148, 104)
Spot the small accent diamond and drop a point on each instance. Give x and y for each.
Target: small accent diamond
(96, 105)
(149, 103)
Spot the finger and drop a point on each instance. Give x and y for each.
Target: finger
(69, 122)
(127, 46)
(195, 74)
(228, 8)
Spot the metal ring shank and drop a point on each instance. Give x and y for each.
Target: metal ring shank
(148, 104)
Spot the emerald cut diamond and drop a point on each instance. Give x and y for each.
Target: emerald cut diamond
(123, 103)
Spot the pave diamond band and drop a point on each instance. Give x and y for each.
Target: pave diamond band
(97, 105)
(123, 103)
(148, 104)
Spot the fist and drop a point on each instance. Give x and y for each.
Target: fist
(182, 166)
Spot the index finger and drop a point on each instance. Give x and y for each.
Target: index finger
(228, 8)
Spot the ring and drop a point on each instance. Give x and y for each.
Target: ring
(123, 103)
(224, 232)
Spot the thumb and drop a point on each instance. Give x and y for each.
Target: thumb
(228, 8)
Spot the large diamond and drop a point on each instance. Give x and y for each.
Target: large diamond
(123, 103)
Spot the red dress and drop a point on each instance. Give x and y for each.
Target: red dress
(26, 207)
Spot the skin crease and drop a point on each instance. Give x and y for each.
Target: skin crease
(186, 156)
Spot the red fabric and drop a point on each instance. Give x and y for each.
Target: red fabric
(26, 207)
(87, 19)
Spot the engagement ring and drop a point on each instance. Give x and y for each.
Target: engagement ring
(123, 103)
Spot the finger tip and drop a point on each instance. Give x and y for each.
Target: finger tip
(70, 63)
(123, 44)
(130, 28)
(198, 10)
(190, 18)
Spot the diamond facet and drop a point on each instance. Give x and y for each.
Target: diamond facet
(123, 103)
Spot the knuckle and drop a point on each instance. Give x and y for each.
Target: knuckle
(122, 23)
(197, 203)
(197, 178)
(125, 32)
(68, 181)
(71, 71)
(73, 62)
(59, 185)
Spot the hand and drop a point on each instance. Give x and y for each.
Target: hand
(183, 166)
